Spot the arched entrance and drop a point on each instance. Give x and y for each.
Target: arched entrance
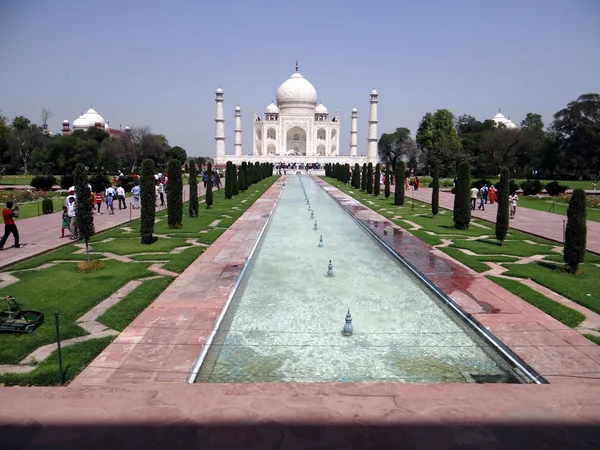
(296, 141)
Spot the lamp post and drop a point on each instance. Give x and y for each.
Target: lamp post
(60, 365)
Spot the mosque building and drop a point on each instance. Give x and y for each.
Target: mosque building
(91, 119)
(298, 129)
(499, 118)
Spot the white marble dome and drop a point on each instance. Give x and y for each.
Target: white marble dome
(82, 123)
(296, 91)
(272, 109)
(321, 109)
(93, 117)
(500, 118)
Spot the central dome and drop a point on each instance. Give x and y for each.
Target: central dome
(296, 91)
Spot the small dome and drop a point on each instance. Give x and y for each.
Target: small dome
(320, 109)
(354, 110)
(237, 108)
(272, 109)
(82, 123)
(219, 91)
(296, 91)
(374, 92)
(127, 128)
(65, 121)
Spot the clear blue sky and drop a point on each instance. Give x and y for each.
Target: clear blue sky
(159, 63)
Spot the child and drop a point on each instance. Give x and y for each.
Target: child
(66, 221)
(109, 203)
(99, 201)
(513, 199)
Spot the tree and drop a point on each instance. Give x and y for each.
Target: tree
(193, 182)
(399, 187)
(235, 183)
(25, 137)
(356, 176)
(209, 187)
(174, 194)
(394, 146)
(435, 193)
(502, 215)
(148, 202)
(177, 153)
(242, 177)
(576, 231)
(377, 180)
(500, 146)
(229, 180)
(83, 207)
(387, 181)
(363, 178)
(462, 197)
(370, 178)
(578, 129)
(439, 141)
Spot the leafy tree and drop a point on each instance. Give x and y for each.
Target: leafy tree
(377, 180)
(235, 183)
(399, 187)
(177, 153)
(209, 187)
(148, 201)
(462, 197)
(576, 231)
(25, 138)
(387, 180)
(471, 131)
(363, 178)
(83, 207)
(578, 130)
(439, 141)
(435, 193)
(229, 180)
(242, 177)
(502, 215)
(370, 178)
(193, 182)
(394, 146)
(174, 194)
(500, 146)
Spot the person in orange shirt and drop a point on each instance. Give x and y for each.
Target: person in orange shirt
(8, 214)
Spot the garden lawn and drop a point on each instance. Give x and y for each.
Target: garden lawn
(547, 205)
(17, 180)
(34, 209)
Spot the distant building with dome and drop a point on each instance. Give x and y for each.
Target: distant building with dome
(91, 119)
(298, 129)
(500, 119)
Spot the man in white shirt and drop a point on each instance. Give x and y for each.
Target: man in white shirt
(513, 199)
(109, 191)
(121, 197)
(135, 192)
(474, 192)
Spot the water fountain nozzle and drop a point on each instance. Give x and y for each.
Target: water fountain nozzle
(347, 330)
(315, 227)
(321, 241)
(330, 269)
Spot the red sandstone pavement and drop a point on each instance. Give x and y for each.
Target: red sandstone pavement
(539, 223)
(133, 395)
(42, 234)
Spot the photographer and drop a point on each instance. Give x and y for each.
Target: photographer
(8, 214)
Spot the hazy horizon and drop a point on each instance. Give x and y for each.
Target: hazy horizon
(158, 64)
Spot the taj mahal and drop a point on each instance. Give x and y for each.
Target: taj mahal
(295, 130)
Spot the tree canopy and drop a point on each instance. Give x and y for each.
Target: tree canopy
(438, 139)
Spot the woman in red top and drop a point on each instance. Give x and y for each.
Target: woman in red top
(99, 200)
(8, 214)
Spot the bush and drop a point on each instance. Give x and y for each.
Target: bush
(532, 187)
(148, 202)
(576, 231)
(502, 215)
(462, 198)
(43, 182)
(174, 193)
(66, 181)
(100, 182)
(554, 188)
(399, 186)
(47, 206)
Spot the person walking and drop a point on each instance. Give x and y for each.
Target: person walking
(482, 197)
(492, 194)
(8, 214)
(161, 193)
(72, 218)
(474, 192)
(121, 197)
(513, 199)
(135, 193)
(65, 221)
(98, 201)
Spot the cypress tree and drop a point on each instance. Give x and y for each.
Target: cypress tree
(377, 180)
(370, 178)
(502, 215)
(576, 231)
(399, 187)
(235, 183)
(242, 177)
(347, 173)
(83, 206)
(356, 176)
(462, 197)
(147, 202)
(193, 182)
(247, 176)
(209, 186)
(174, 194)
(228, 180)
(387, 181)
(363, 178)
(435, 193)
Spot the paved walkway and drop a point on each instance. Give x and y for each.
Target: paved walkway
(42, 233)
(539, 223)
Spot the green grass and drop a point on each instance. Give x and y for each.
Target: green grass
(75, 358)
(65, 289)
(34, 209)
(510, 247)
(184, 259)
(564, 314)
(20, 180)
(131, 245)
(591, 337)
(124, 312)
(546, 204)
(572, 184)
(476, 263)
(63, 253)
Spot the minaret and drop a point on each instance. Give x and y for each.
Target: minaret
(237, 139)
(372, 139)
(353, 131)
(219, 126)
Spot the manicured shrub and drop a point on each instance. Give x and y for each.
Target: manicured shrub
(532, 187)
(435, 193)
(363, 178)
(386, 189)
(356, 177)
(228, 180)
(462, 198)
(346, 173)
(174, 193)
(66, 181)
(377, 180)
(209, 187)
(399, 186)
(47, 206)
(554, 188)
(193, 182)
(502, 215)
(370, 178)
(242, 177)
(43, 182)
(147, 202)
(235, 183)
(576, 231)
(83, 206)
